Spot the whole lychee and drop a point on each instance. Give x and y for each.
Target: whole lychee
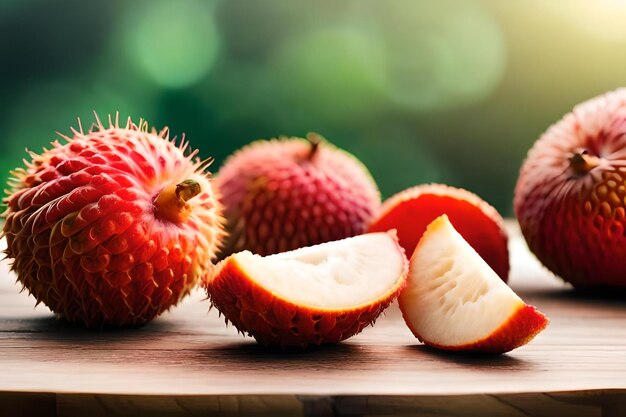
(570, 197)
(287, 193)
(112, 227)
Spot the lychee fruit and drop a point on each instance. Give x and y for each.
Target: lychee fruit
(570, 198)
(112, 226)
(455, 301)
(310, 296)
(411, 210)
(287, 193)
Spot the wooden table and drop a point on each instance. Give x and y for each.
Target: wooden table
(188, 362)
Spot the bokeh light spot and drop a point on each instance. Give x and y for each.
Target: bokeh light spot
(174, 43)
(441, 55)
(331, 74)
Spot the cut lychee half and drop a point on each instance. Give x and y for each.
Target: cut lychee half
(411, 210)
(314, 295)
(455, 301)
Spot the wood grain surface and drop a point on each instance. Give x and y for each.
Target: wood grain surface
(188, 362)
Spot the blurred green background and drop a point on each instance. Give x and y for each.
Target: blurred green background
(420, 91)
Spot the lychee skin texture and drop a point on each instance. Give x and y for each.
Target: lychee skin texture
(85, 230)
(412, 210)
(570, 195)
(284, 194)
(276, 322)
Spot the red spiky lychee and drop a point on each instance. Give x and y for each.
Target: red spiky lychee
(286, 193)
(454, 301)
(570, 198)
(310, 296)
(411, 210)
(112, 227)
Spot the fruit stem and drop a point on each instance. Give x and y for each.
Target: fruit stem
(187, 190)
(581, 162)
(315, 140)
(171, 202)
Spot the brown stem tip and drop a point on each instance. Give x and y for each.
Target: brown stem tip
(582, 162)
(315, 140)
(187, 190)
(171, 202)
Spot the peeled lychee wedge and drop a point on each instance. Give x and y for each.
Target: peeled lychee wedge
(455, 301)
(315, 295)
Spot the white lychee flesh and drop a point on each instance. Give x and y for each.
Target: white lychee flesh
(335, 275)
(453, 297)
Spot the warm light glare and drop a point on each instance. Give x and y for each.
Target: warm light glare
(440, 55)
(605, 19)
